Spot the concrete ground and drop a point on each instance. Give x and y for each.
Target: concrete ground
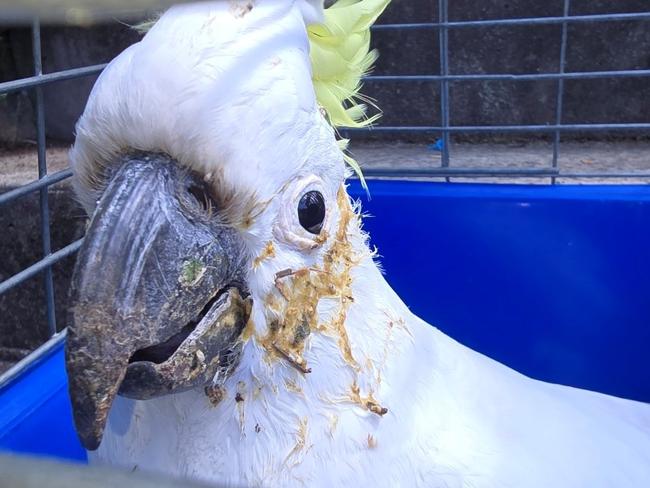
(23, 324)
(575, 157)
(20, 166)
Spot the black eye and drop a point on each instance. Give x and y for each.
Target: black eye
(311, 211)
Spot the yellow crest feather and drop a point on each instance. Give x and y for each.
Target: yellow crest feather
(340, 57)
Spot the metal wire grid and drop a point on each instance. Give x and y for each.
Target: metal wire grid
(445, 78)
(45, 180)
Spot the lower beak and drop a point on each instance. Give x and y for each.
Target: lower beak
(158, 304)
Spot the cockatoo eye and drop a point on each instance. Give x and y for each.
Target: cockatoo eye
(303, 217)
(311, 211)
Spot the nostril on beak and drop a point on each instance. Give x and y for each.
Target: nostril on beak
(202, 196)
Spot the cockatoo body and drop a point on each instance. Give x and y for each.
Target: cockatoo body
(337, 383)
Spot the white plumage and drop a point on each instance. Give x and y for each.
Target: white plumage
(225, 88)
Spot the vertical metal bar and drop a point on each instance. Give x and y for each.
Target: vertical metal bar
(443, 14)
(560, 87)
(42, 173)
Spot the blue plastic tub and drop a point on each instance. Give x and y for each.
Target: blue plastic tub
(553, 281)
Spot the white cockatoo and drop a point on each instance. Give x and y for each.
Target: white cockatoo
(227, 292)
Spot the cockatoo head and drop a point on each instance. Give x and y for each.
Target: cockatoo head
(220, 223)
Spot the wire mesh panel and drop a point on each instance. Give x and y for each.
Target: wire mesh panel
(45, 180)
(442, 27)
(556, 129)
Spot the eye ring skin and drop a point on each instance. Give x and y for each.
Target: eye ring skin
(287, 228)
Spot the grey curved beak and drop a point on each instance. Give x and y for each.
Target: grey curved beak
(158, 302)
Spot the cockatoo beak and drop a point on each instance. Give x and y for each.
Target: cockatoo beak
(158, 302)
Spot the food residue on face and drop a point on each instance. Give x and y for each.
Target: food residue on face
(192, 272)
(239, 9)
(372, 442)
(240, 397)
(215, 394)
(267, 253)
(302, 290)
(292, 386)
(367, 402)
(301, 442)
(291, 310)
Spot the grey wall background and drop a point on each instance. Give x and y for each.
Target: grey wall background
(515, 49)
(63, 48)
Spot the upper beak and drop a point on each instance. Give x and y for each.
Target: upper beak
(158, 304)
